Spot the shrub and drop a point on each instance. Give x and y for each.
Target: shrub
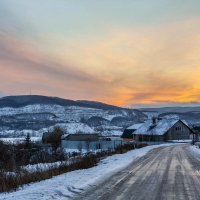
(13, 156)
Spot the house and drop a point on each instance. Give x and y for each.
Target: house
(163, 130)
(128, 132)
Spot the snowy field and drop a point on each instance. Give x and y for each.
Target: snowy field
(19, 140)
(67, 185)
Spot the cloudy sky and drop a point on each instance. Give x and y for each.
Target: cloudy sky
(122, 52)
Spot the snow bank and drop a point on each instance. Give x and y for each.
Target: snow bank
(43, 166)
(66, 185)
(195, 150)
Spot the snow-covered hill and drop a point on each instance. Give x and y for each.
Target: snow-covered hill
(190, 114)
(38, 114)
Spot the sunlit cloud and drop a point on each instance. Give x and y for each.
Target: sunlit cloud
(150, 64)
(145, 65)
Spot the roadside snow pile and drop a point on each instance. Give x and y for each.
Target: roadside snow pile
(67, 185)
(43, 166)
(195, 150)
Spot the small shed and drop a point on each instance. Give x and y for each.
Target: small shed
(128, 132)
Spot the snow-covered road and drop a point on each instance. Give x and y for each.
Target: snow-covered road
(67, 185)
(165, 173)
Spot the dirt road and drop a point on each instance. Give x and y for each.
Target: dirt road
(164, 173)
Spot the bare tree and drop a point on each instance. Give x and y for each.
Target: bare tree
(27, 141)
(54, 138)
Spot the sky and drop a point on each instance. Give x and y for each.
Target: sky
(136, 53)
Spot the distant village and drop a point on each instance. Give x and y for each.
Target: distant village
(155, 130)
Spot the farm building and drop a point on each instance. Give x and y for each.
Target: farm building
(88, 142)
(163, 130)
(128, 132)
(81, 137)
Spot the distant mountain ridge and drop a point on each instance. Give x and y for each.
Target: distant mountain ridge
(172, 109)
(37, 114)
(24, 100)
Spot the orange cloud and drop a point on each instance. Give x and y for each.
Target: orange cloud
(143, 65)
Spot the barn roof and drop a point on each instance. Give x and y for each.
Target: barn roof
(134, 127)
(82, 137)
(159, 128)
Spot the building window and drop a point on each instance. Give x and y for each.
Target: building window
(178, 128)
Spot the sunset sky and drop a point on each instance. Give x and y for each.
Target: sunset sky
(121, 52)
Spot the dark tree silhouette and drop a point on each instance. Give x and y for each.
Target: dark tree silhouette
(27, 142)
(54, 138)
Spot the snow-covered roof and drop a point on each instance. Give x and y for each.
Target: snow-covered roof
(135, 126)
(72, 128)
(160, 128)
